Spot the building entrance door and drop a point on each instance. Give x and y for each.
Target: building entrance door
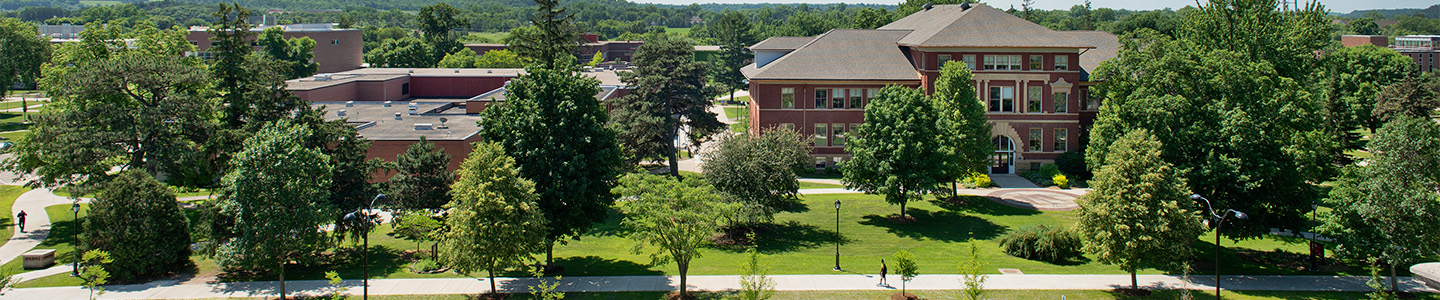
(1004, 157)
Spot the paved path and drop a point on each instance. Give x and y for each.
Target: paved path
(171, 290)
(1012, 181)
(37, 274)
(37, 222)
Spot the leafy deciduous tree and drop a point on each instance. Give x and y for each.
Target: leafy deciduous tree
(964, 128)
(494, 222)
(25, 51)
(759, 171)
(895, 150)
(137, 221)
(676, 216)
(297, 53)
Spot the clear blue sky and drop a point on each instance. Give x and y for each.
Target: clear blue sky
(1338, 6)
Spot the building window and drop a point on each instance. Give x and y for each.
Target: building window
(1060, 137)
(334, 42)
(839, 130)
(837, 98)
(788, 126)
(969, 61)
(1036, 137)
(404, 88)
(940, 60)
(1062, 102)
(1035, 62)
(820, 162)
(1062, 62)
(856, 97)
(822, 135)
(1034, 166)
(194, 43)
(1092, 102)
(1002, 62)
(787, 97)
(854, 127)
(870, 94)
(822, 98)
(1032, 99)
(1002, 99)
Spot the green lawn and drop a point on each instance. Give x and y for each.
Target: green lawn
(682, 31)
(8, 193)
(495, 37)
(13, 135)
(98, 3)
(733, 112)
(812, 185)
(64, 192)
(937, 294)
(740, 127)
(62, 230)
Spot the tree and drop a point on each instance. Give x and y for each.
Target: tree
(137, 221)
(1364, 26)
(1138, 214)
(423, 181)
(733, 31)
(1414, 96)
(1259, 30)
(596, 59)
(1351, 80)
(406, 52)
(494, 222)
(465, 58)
(350, 186)
(754, 285)
(1388, 210)
(277, 209)
(93, 273)
(895, 150)
(759, 171)
(1025, 7)
(297, 53)
(1235, 128)
(25, 51)
(418, 227)
(905, 267)
(435, 22)
(137, 107)
(675, 216)
(554, 127)
(964, 128)
(871, 18)
(500, 59)
(972, 271)
(669, 84)
(551, 38)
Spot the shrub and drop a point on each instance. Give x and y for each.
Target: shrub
(425, 266)
(1073, 163)
(137, 221)
(976, 180)
(1049, 170)
(1061, 181)
(1044, 243)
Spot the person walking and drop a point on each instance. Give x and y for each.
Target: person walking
(883, 270)
(21, 220)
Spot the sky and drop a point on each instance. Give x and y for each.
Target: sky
(1338, 6)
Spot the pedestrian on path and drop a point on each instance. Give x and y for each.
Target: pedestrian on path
(21, 220)
(883, 269)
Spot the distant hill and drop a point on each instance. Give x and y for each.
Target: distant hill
(1432, 12)
(718, 7)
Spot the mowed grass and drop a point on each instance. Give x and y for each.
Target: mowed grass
(682, 31)
(62, 233)
(934, 294)
(8, 193)
(736, 112)
(98, 3)
(813, 185)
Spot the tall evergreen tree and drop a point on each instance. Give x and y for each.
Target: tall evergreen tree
(494, 222)
(550, 40)
(1139, 214)
(964, 128)
(137, 220)
(422, 182)
(895, 151)
(669, 86)
(555, 128)
(733, 31)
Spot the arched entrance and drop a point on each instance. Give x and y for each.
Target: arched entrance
(1003, 161)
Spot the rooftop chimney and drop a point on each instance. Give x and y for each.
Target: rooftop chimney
(965, 6)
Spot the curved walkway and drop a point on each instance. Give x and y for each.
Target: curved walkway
(37, 222)
(836, 282)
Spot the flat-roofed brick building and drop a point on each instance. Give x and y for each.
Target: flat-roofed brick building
(1033, 80)
(336, 49)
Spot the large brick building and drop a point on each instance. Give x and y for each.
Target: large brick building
(1032, 80)
(336, 49)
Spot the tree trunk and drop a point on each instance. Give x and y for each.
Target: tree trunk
(903, 202)
(1394, 283)
(282, 279)
(674, 154)
(1135, 285)
(684, 269)
(732, 95)
(549, 255)
(492, 280)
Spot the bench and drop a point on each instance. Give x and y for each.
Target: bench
(39, 259)
(1427, 272)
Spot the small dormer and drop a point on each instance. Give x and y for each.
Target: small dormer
(774, 48)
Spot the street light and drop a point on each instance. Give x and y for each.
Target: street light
(365, 240)
(837, 233)
(75, 270)
(1219, 220)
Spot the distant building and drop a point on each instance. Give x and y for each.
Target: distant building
(1357, 40)
(616, 51)
(61, 32)
(1423, 49)
(1034, 81)
(336, 49)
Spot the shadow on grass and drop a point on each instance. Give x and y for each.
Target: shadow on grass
(1234, 260)
(345, 261)
(599, 266)
(981, 205)
(941, 226)
(787, 237)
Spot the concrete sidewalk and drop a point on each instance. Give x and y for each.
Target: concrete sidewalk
(37, 222)
(170, 290)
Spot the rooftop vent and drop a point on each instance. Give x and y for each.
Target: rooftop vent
(424, 126)
(387, 103)
(397, 116)
(928, 6)
(965, 6)
(349, 103)
(340, 113)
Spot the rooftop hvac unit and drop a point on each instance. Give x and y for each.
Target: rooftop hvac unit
(387, 103)
(397, 116)
(340, 113)
(322, 77)
(349, 103)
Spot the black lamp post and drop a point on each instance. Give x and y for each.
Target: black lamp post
(1219, 220)
(75, 233)
(365, 243)
(837, 233)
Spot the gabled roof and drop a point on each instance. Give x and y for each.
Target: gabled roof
(1107, 46)
(782, 43)
(979, 26)
(842, 54)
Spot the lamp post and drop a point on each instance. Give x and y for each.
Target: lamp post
(75, 208)
(1219, 220)
(365, 243)
(837, 233)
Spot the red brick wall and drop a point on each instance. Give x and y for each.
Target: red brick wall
(1357, 40)
(389, 90)
(461, 87)
(389, 150)
(335, 50)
